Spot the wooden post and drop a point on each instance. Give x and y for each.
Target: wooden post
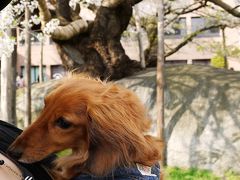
(27, 63)
(160, 77)
(41, 63)
(13, 81)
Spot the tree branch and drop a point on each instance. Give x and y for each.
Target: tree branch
(80, 26)
(44, 13)
(232, 10)
(111, 3)
(180, 11)
(189, 38)
(115, 3)
(70, 30)
(186, 10)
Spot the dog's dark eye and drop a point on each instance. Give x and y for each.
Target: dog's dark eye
(63, 123)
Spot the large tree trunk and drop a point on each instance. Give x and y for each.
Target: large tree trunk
(8, 85)
(95, 47)
(139, 37)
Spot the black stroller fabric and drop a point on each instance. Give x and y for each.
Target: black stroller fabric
(8, 134)
(4, 3)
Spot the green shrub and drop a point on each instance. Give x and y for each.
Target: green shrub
(230, 175)
(189, 174)
(175, 173)
(218, 61)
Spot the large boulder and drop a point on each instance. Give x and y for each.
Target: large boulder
(202, 114)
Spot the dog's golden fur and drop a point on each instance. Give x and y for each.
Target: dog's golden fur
(105, 129)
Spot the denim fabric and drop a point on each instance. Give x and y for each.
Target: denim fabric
(130, 173)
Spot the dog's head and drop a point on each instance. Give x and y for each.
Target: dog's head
(102, 123)
(62, 124)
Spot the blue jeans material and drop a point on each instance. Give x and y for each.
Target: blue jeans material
(126, 173)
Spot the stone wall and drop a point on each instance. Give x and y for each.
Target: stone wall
(202, 114)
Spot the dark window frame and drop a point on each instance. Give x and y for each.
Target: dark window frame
(201, 61)
(176, 62)
(213, 32)
(35, 68)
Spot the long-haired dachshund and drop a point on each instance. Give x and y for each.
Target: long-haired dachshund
(104, 125)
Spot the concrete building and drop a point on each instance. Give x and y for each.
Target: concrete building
(52, 64)
(190, 53)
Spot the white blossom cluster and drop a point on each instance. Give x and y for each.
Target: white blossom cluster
(35, 20)
(6, 44)
(8, 21)
(6, 18)
(20, 6)
(32, 5)
(51, 26)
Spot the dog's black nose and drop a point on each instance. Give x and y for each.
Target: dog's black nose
(15, 153)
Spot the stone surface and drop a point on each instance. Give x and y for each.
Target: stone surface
(202, 114)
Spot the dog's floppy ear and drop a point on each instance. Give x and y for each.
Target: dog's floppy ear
(117, 121)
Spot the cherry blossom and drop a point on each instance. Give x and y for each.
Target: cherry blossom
(8, 21)
(51, 26)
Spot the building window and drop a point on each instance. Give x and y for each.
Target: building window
(57, 71)
(35, 73)
(201, 61)
(199, 23)
(179, 29)
(175, 62)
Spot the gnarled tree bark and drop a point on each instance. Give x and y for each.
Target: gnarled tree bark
(94, 47)
(232, 10)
